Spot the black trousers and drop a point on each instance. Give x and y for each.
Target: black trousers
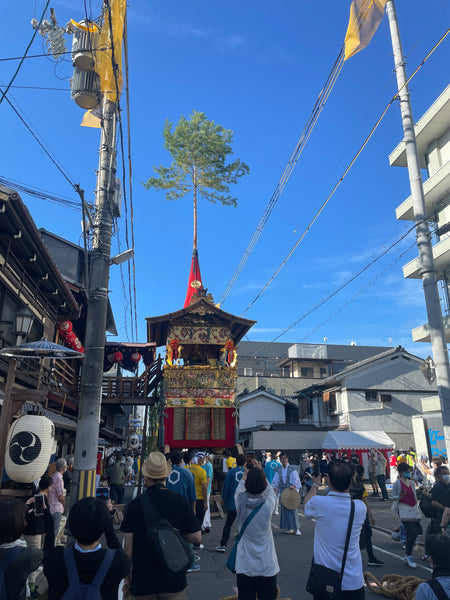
(412, 530)
(248, 587)
(200, 511)
(231, 516)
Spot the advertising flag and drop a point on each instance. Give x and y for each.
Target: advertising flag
(365, 16)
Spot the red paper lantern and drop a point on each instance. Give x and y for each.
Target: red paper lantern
(70, 337)
(136, 357)
(65, 327)
(117, 356)
(77, 343)
(81, 349)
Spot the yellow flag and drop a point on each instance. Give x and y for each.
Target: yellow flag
(104, 55)
(91, 118)
(365, 16)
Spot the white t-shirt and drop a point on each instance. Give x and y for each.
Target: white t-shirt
(332, 513)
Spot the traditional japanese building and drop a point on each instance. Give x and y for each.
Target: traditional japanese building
(200, 369)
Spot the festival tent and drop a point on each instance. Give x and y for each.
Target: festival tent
(360, 442)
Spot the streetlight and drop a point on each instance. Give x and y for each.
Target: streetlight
(23, 323)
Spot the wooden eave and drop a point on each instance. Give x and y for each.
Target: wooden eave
(21, 242)
(157, 327)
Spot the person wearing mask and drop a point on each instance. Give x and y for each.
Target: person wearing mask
(20, 560)
(88, 521)
(440, 497)
(39, 530)
(438, 549)
(56, 495)
(256, 559)
(232, 480)
(404, 492)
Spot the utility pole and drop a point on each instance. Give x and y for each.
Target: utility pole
(86, 443)
(426, 262)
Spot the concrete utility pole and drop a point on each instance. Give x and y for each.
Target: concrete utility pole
(426, 262)
(86, 443)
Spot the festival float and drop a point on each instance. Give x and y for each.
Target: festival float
(198, 395)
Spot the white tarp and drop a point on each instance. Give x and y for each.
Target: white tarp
(358, 440)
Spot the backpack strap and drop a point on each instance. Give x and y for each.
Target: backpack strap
(437, 589)
(104, 567)
(151, 515)
(71, 567)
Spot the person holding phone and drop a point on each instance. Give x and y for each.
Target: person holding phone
(39, 530)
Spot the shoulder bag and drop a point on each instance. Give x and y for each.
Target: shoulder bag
(231, 561)
(437, 589)
(325, 583)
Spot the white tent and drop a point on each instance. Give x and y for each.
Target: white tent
(356, 440)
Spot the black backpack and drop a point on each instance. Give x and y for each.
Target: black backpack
(4, 564)
(169, 550)
(85, 591)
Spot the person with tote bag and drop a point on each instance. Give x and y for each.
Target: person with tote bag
(405, 503)
(256, 560)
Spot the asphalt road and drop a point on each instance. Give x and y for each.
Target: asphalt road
(213, 581)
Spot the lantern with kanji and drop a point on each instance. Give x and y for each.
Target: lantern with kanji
(77, 344)
(70, 338)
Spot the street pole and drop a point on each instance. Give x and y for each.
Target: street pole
(426, 262)
(86, 442)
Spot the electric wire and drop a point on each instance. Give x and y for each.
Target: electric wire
(343, 285)
(24, 56)
(312, 119)
(352, 162)
(41, 194)
(362, 290)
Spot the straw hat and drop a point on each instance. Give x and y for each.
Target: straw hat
(156, 466)
(290, 499)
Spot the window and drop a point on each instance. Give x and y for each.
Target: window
(323, 372)
(286, 372)
(248, 372)
(307, 372)
(385, 398)
(371, 396)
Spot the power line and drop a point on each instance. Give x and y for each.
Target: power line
(41, 194)
(24, 56)
(352, 162)
(312, 119)
(343, 285)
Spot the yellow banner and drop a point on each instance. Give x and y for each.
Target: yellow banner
(365, 16)
(109, 50)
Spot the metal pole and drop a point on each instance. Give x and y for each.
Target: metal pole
(427, 269)
(86, 442)
(5, 416)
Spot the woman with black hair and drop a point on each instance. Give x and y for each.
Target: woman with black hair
(88, 521)
(404, 493)
(438, 548)
(256, 559)
(16, 559)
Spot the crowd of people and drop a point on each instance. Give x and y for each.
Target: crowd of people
(178, 487)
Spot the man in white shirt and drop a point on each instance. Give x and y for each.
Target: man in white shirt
(331, 514)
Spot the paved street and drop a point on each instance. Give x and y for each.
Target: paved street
(214, 581)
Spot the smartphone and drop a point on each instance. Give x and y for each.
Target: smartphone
(39, 505)
(102, 492)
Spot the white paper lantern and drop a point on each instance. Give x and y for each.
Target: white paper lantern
(29, 448)
(134, 440)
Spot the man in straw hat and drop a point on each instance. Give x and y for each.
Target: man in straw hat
(287, 478)
(146, 579)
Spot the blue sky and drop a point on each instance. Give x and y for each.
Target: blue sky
(255, 68)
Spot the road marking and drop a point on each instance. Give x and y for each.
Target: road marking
(400, 558)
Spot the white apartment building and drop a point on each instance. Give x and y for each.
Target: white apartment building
(433, 145)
